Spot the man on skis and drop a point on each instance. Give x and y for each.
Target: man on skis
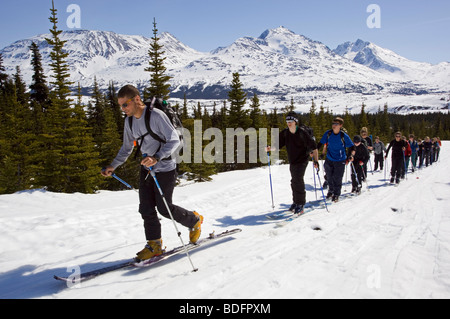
(162, 164)
(299, 145)
(335, 142)
(379, 149)
(398, 157)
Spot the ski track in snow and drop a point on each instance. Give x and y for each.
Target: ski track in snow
(389, 242)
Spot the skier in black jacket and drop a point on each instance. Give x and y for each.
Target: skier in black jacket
(398, 157)
(358, 155)
(427, 146)
(300, 145)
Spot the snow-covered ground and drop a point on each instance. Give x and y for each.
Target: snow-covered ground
(390, 242)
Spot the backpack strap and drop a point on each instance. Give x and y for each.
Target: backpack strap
(140, 139)
(148, 114)
(329, 132)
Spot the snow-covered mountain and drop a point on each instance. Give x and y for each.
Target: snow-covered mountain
(384, 60)
(365, 53)
(107, 55)
(278, 65)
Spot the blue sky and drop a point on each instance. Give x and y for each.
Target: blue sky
(416, 29)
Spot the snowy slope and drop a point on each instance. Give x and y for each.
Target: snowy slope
(364, 250)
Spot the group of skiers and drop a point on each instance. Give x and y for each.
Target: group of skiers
(158, 139)
(342, 152)
(404, 151)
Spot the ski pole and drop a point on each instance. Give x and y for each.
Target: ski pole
(315, 186)
(321, 187)
(386, 163)
(370, 163)
(354, 172)
(365, 177)
(122, 181)
(270, 178)
(346, 178)
(404, 164)
(152, 173)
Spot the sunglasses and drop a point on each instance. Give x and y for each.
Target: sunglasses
(125, 105)
(336, 123)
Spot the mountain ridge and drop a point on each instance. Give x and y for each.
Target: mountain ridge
(277, 65)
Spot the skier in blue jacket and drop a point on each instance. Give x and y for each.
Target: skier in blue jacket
(336, 141)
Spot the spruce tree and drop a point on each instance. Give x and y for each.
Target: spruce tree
(111, 102)
(159, 85)
(67, 161)
(238, 117)
(110, 145)
(21, 88)
(96, 114)
(184, 111)
(223, 117)
(385, 125)
(15, 138)
(363, 121)
(3, 75)
(39, 89)
(322, 122)
(348, 124)
(255, 112)
(312, 121)
(201, 172)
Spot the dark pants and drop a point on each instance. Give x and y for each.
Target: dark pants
(297, 183)
(398, 166)
(150, 200)
(427, 155)
(379, 160)
(335, 172)
(359, 177)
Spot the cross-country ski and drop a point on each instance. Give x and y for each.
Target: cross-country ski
(143, 264)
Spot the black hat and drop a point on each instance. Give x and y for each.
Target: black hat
(292, 116)
(357, 139)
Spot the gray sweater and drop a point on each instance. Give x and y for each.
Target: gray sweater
(379, 147)
(162, 127)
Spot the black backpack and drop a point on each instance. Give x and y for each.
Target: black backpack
(170, 112)
(309, 134)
